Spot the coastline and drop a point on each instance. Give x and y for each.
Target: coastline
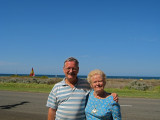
(85, 76)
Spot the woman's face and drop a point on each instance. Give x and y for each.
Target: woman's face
(97, 83)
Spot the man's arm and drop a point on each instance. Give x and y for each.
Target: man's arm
(115, 96)
(51, 114)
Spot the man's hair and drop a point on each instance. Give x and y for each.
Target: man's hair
(72, 59)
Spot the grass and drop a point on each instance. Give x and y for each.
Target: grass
(155, 93)
(44, 88)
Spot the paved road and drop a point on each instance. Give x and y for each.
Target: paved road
(31, 106)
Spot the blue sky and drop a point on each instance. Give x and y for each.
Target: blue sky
(120, 37)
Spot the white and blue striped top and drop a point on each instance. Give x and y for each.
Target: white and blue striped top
(69, 102)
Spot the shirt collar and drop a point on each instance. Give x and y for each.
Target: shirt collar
(64, 83)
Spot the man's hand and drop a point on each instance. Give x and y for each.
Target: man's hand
(115, 96)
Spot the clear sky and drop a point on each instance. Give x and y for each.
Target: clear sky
(120, 37)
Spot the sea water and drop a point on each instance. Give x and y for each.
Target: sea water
(84, 76)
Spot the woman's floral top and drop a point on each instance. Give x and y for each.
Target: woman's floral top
(102, 109)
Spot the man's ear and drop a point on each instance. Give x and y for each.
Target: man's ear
(104, 82)
(63, 69)
(78, 69)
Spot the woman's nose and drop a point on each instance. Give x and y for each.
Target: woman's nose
(97, 83)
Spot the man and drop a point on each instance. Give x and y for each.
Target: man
(68, 98)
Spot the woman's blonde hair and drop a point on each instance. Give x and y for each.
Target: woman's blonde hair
(96, 72)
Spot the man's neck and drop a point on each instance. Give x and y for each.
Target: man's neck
(71, 82)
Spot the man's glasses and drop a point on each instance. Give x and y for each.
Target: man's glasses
(73, 69)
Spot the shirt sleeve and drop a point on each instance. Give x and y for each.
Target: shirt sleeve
(52, 99)
(116, 113)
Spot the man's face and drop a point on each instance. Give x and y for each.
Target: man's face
(71, 70)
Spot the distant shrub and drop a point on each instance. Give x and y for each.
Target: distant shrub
(42, 81)
(28, 79)
(50, 81)
(14, 75)
(12, 81)
(139, 85)
(44, 77)
(53, 81)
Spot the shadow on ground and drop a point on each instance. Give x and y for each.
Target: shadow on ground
(13, 105)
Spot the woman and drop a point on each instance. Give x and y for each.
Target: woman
(100, 105)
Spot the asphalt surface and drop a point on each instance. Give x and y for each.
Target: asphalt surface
(31, 106)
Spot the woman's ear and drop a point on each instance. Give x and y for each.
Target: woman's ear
(104, 82)
(91, 85)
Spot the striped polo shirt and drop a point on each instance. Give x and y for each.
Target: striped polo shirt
(69, 102)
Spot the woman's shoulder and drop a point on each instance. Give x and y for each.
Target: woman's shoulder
(110, 99)
(91, 92)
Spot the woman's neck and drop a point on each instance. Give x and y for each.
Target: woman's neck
(100, 95)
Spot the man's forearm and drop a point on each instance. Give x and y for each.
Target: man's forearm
(51, 114)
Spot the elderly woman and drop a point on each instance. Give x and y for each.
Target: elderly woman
(100, 105)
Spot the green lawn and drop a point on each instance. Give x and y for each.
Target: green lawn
(44, 88)
(155, 93)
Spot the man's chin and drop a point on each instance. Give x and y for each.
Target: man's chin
(71, 77)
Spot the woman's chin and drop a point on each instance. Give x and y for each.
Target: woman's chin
(98, 90)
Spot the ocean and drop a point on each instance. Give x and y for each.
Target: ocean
(84, 76)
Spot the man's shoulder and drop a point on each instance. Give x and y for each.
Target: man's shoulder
(61, 83)
(83, 83)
